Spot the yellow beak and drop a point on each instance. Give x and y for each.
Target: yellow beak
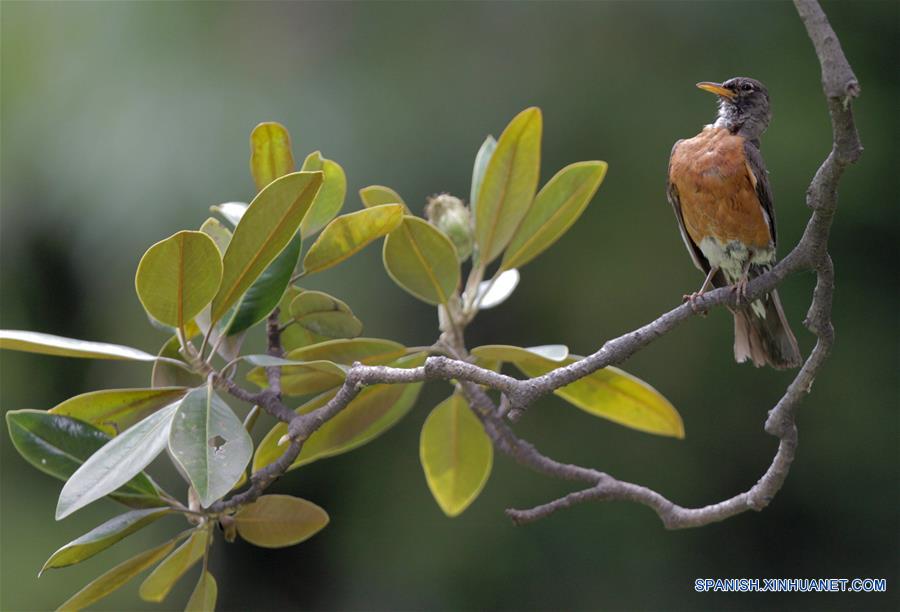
(717, 89)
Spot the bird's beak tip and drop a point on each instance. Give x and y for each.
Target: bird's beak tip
(717, 89)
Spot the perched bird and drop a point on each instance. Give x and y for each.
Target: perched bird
(719, 188)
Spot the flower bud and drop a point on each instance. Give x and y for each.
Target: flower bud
(451, 216)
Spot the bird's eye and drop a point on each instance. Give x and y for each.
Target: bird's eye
(746, 87)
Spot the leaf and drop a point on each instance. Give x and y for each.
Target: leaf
(102, 537)
(615, 395)
(510, 181)
(422, 260)
(294, 336)
(161, 580)
(375, 410)
(58, 445)
(263, 296)
(276, 521)
(115, 410)
(556, 208)
(298, 377)
(456, 455)
(46, 344)
(166, 374)
(485, 151)
(270, 153)
(220, 234)
(494, 292)
(232, 211)
(324, 315)
(117, 462)
(115, 578)
(378, 195)
(178, 276)
(264, 231)
(556, 353)
(349, 234)
(331, 196)
(211, 468)
(203, 599)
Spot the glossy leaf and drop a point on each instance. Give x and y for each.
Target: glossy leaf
(556, 208)
(485, 151)
(556, 353)
(325, 315)
(294, 336)
(115, 410)
(166, 374)
(264, 294)
(115, 578)
(58, 445)
(276, 521)
(496, 291)
(220, 234)
(456, 455)
(161, 580)
(232, 211)
(102, 537)
(47, 344)
(375, 410)
(614, 395)
(117, 462)
(331, 196)
(422, 260)
(209, 443)
(510, 181)
(203, 599)
(264, 231)
(270, 153)
(178, 276)
(378, 195)
(349, 234)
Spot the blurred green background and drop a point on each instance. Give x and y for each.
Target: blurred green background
(122, 122)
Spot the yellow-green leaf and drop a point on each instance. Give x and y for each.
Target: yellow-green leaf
(115, 410)
(270, 153)
(294, 336)
(422, 260)
(349, 234)
(203, 599)
(161, 580)
(556, 207)
(325, 315)
(377, 195)
(509, 184)
(485, 151)
(47, 344)
(514, 354)
(115, 578)
(456, 455)
(178, 276)
(220, 234)
(166, 373)
(275, 521)
(264, 231)
(330, 198)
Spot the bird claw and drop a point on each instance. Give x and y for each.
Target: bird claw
(692, 299)
(740, 289)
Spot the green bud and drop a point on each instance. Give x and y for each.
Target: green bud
(451, 216)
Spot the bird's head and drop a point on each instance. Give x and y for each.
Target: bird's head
(743, 105)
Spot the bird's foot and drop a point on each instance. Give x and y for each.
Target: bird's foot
(740, 289)
(692, 299)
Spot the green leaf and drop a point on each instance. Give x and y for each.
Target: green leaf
(270, 153)
(115, 578)
(331, 196)
(276, 521)
(510, 181)
(102, 537)
(203, 599)
(325, 315)
(115, 410)
(117, 462)
(166, 374)
(232, 211)
(178, 276)
(220, 234)
(556, 353)
(556, 208)
(375, 410)
(422, 260)
(378, 195)
(58, 445)
(294, 336)
(349, 234)
(264, 231)
(46, 344)
(456, 455)
(161, 580)
(615, 395)
(203, 418)
(264, 294)
(485, 151)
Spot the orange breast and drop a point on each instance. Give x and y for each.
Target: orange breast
(717, 189)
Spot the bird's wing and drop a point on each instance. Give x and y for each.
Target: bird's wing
(760, 179)
(672, 195)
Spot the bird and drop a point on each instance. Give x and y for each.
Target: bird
(719, 189)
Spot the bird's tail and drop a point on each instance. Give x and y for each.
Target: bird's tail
(763, 335)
